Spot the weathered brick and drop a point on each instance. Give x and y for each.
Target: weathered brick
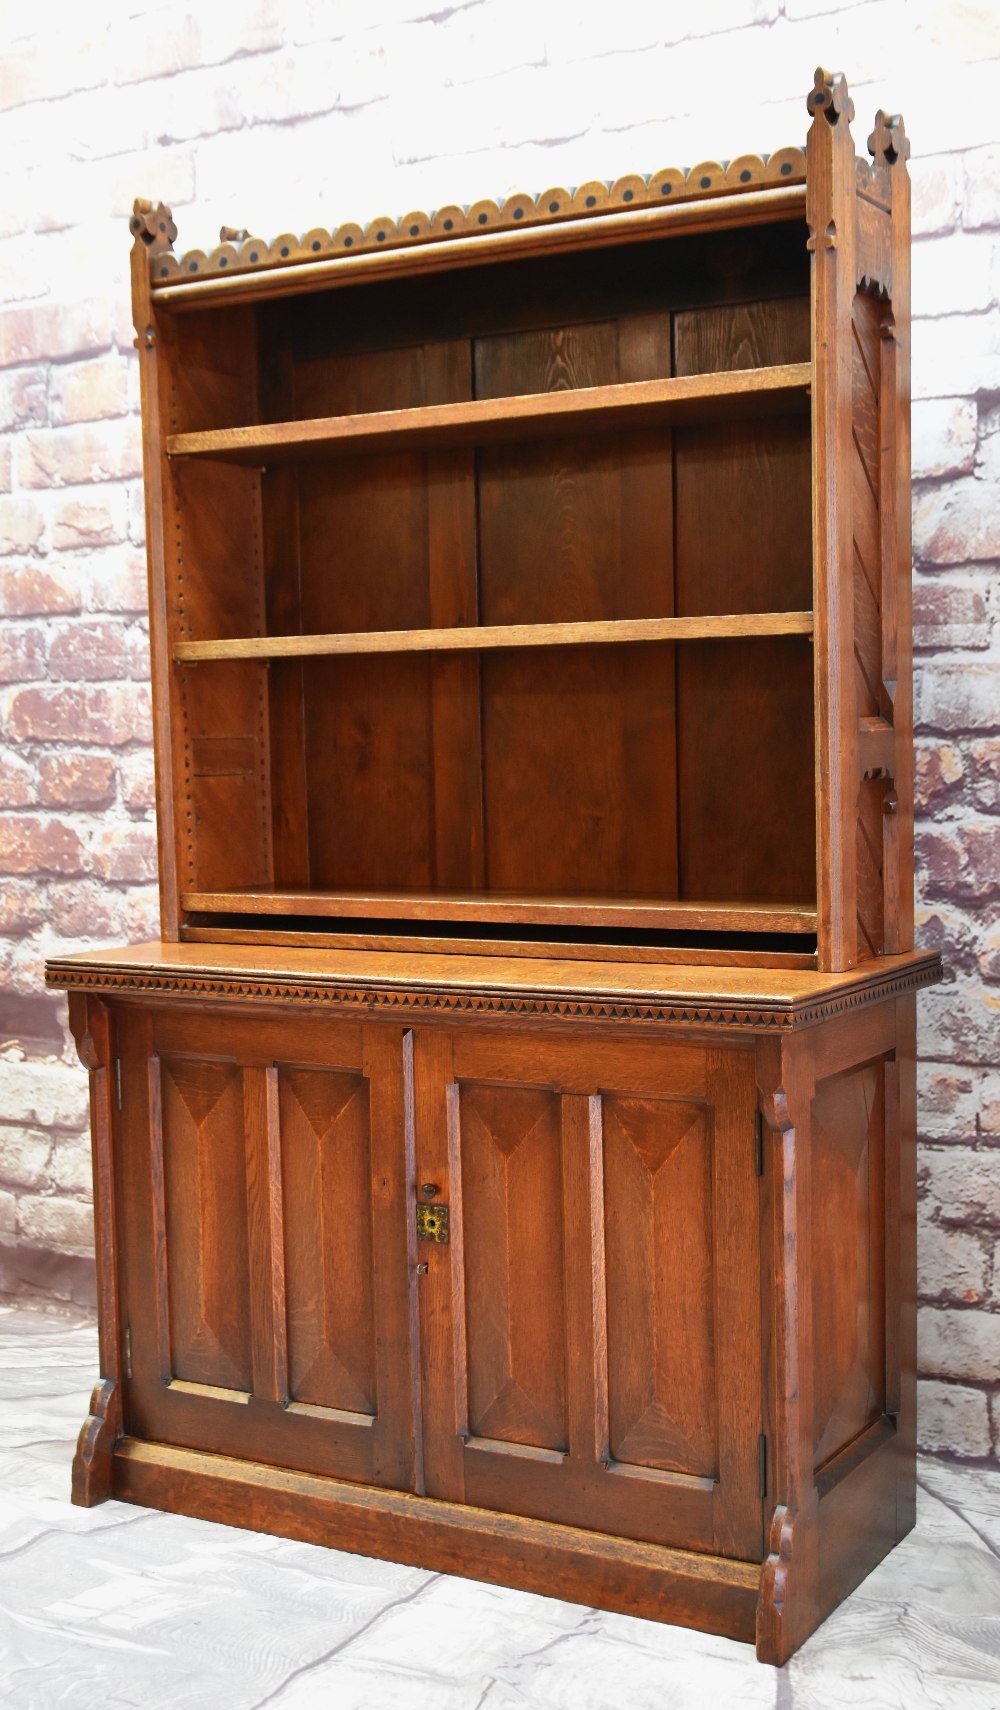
(137, 781)
(99, 519)
(90, 391)
(982, 187)
(952, 1417)
(23, 401)
(964, 1184)
(35, 590)
(958, 697)
(86, 911)
(70, 1168)
(20, 908)
(43, 1092)
(989, 956)
(938, 774)
(21, 524)
(88, 651)
(24, 1157)
(33, 334)
(30, 844)
(6, 466)
(126, 854)
(22, 653)
(951, 1262)
(948, 1101)
(963, 1021)
(17, 783)
(957, 524)
(8, 1218)
(985, 767)
(76, 780)
(951, 615)
(944, 437)
(105, 715)
(944, 926)
(205, 37)
(989, 1105)
(958, 1343)
(72, 456)
(65, 1224)
(116, 581)
(961, 860)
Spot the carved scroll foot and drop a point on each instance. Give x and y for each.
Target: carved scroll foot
(98, 1435)
(778, 1631)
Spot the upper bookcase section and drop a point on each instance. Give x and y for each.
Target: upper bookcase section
(552, 582)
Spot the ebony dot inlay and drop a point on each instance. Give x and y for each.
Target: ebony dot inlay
(482, 219)
(223, 261)
(591, 201)
(627, 195)
(553, 207)
(316, 245)
(253, 255)
(786, 167)
(414, 230)
(519, 213)
(193, 267)
(284, 249)
(744, 176)
(665, 189)
(705, 182)
(380, 236)
(448, 225)
(348, 242)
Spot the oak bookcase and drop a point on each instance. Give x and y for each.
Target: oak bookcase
(505, 1159)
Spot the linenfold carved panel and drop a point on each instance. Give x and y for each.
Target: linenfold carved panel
(204, 1214)
(513, 1264)
(326, 1198)
(848, 1238)
(660, 1276)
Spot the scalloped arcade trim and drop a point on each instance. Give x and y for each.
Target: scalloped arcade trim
(571, 1007)
(239, 252)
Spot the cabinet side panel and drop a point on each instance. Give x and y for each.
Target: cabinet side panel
(848, 1249)
(743, 539)
(512, 1240)
(659, 1279)
(326, 1193)
(578, 743)
(205, 1221)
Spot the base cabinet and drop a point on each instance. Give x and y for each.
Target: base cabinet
(619, 1311)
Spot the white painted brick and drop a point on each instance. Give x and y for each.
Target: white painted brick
(958, 1343)
(955, 274)
(944, 436)
(956, 356)
(936, 194)
(24, 1157)
(963, 1184)
(981, 202)
(951, 1262)
(66, 1225)
(46, 1094)
(952, 1417)
(8, 1218)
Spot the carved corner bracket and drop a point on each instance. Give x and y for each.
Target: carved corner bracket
(98, 1435)
(152, 226)
(830, 97)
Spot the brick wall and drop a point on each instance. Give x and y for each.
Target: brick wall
(299, 112)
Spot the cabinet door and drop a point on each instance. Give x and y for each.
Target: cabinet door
(591, 1328)
(263, 1194)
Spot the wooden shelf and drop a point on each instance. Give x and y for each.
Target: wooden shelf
(504, 907)
(639, 404)
(740, 626)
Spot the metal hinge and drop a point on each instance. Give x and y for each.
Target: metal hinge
(127, 1350)
(762, 1465)
(118, 1083)
(758, 1133)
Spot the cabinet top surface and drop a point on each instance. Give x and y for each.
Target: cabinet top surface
(759, 999)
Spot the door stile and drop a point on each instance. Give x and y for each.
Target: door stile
(269, 1330)
(437, 1285)
(584, 1262)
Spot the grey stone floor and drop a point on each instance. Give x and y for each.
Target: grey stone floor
(117, 1606)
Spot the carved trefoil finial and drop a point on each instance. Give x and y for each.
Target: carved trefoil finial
(152, 224)
(830, 96)
(888, 141)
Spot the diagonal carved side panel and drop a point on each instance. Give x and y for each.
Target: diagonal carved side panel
(872, 699)
(660, 1284)
(513, 1253)
(327, 1194)
(848, 1244)
(205, 1215)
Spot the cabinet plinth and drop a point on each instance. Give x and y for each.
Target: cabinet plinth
(504, 1161)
